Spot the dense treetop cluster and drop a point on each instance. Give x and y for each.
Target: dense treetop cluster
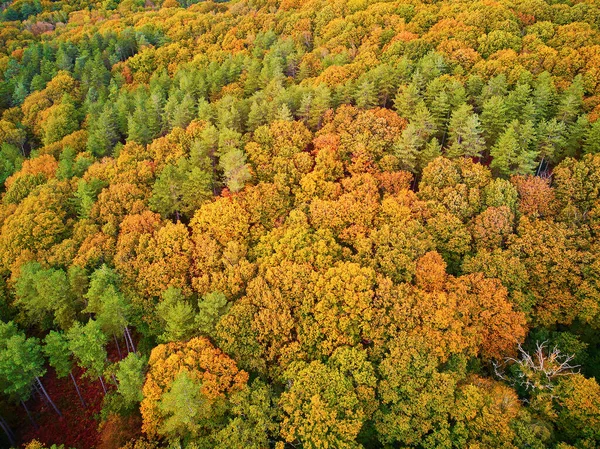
(317, 224)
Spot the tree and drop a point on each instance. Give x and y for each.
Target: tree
(493, 119)
(171, 399)
(130, 376)
(21, 364)
(180, 188)
(56, 348)
(62, 121)
(592, 139)
(184, 407)
(210, 310)
(103, 133)
(512, 153)
(45, 296)
(87, 343)
(177, 314)
(465, 134)
(321, 408)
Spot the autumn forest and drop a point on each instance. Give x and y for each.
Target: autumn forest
(299, 224)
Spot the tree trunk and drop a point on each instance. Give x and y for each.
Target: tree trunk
(540, 167)
(8, 432)
(126, 342)
(115, 380)
(35, 426)
(130, 339)
(48, 397)
(102, 383)
(77, 389)
(118, 347)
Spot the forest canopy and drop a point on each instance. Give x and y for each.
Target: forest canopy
(291, 224)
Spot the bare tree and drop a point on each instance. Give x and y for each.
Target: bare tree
(537, 371)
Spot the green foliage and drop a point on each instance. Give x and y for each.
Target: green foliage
(130, 375)
(177, 314)
(21, 361)
(87, 343)
(56, 349)
(44, 296)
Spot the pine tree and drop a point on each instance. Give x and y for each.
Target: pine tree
(103, 133)
(505, 152)
(130, 376)
(465, 134)
(210, 310)
(571, 101)
(432, 150)
(320, 103)
(592, 139)
(493, 119)
(56, 349)
(407, 148)
(544, 97)
(87, 343)
(366, 95)
(256, 117)
(407, 99)
(177, 314)
(184, 407)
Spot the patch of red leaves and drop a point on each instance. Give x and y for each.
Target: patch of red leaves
(78, 427)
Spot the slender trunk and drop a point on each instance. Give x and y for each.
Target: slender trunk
(118, 347)
(130, 339)
(540, 167)
(126, 342)
(102, 383)
(48, 397)
(77, 389)
(115, 380)
(35, 426)
(37, 391)
(8, 432)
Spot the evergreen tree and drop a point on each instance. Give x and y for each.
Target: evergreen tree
(44, 296)
(366, 95)
(177, 314)
(432, 150)
(493, 119)
(103, 133)
(465, 134)
(184, 406)
(407, 148)
(592, 139)
(210, 310)
(87, 343)
(130, 376)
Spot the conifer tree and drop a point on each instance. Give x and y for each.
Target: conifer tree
(465, 134)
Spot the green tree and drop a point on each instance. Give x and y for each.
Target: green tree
(62, 121)
(103, 132)
(56, 349)
(493, 119)
(44, 295)
(87, 343)
(21, 364)
(130, 376)
(181, 188)
(592, 139)
(184, 407)
(210, 310)
(177, 314)
(465, 134)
